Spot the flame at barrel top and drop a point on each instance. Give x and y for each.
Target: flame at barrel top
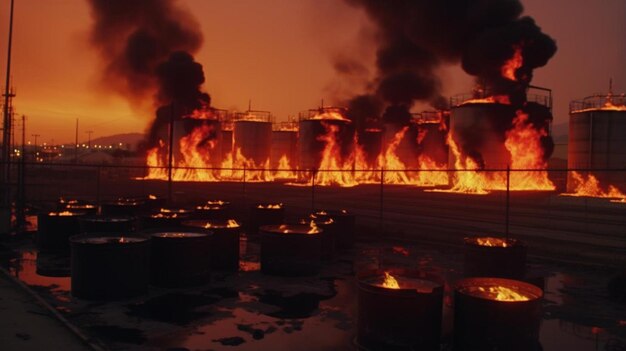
(499, 293)
(270, 206)
(231, 223)
(492, 242)
(390, 282)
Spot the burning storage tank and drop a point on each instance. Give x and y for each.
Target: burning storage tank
(325, 136)
(197, 136)
(477, 126)
(597, 140)
(252, 137)
(371, 142)
(432, 132)
(284, 144)
(497, 132)
(402, 137)
(227, 138)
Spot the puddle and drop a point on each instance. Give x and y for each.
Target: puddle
(175, 308)
(250, 311)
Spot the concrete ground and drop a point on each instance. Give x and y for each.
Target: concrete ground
(25, 323)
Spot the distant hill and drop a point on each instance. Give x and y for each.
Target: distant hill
(128, 138)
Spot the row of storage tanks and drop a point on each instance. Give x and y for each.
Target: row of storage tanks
(260, 140)
(597, 137)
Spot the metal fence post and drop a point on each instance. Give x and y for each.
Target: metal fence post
(313, 174)
(508, 199)
(244, 182)
(98, 185)
(382, 186)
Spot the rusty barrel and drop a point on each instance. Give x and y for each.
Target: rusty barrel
(328, 234)
(344, 226)
(265, 214)
(406, 315)
(124, 207)
(496, 314)
(88, 209)
(165, 218)
(55, 228)
(494, 257)
(290, 250)
(180, 259)
(225, 242)
(214, 209)
(107, 224)
(109, 266)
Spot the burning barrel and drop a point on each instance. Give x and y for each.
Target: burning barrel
(212, 209)
(106, 224)
(290, 250)
(109, 267)
(399, 310)
(87, 209)
(180, 259)
(224, 244)
(344, 226)
(78, 206)
(495, 257)
(328, 234)
(265, 214)
(55, 228)
(165, 218)
(496, 314)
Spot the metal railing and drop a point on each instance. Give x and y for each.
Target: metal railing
(383, 209)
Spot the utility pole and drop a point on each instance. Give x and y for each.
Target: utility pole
(76, 144)
(89, 132)
(20, 210)
(5, 192)
(35, 136)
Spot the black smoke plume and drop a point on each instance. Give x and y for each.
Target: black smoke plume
(416, 37)
(147, 47)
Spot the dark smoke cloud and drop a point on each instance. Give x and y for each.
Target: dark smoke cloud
(134, 37)
(415, 37)
(147, 47)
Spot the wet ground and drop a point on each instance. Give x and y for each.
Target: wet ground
(251, 311)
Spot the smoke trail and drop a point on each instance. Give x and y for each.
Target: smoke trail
(146, 47)
(134, 37)
(415, 37)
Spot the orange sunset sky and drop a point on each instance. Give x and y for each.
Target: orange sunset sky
(276, 52)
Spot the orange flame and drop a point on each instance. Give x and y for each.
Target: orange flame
(496, 99)
(523, 142)
(590, 186)
(195, 151)
(63, 214)
(270, 206)
(511, 66)
(231, 223)
(284, 169)
(528, 168)
(492, 242)
(390, 282)
(502, 293)
(233, 169)
(333, 170)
